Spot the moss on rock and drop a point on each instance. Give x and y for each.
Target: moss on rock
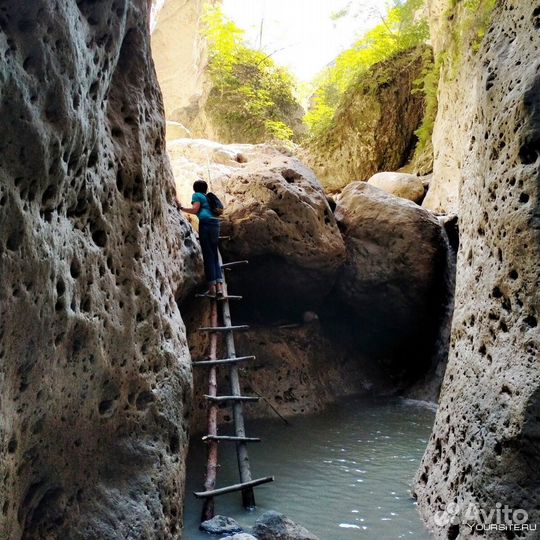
(374, 126)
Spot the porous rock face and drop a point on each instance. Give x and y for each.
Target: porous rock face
(95, 377)
(179, 51)
(299, 369)
(485, 446)
(455, 108)
(394, 279)
(406, 186)
(373, 130)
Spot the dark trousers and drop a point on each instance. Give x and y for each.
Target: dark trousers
(209, 238)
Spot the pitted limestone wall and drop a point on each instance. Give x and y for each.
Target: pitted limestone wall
(485, 446)
(94, 367)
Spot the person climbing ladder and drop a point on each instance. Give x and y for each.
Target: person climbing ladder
(207, 207)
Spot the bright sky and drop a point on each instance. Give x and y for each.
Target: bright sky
(302, 32)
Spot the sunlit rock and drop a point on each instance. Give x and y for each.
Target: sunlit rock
(94, 366)
(406, 186)
(485, 446)
(373, 127)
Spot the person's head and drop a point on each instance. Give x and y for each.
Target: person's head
(200, 186)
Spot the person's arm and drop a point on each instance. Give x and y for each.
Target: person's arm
(193, 210)
(196, 205)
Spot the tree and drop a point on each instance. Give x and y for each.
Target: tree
(252, 98)
(400, 30)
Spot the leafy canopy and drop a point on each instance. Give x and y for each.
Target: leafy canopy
(401, 29)
(252, 98)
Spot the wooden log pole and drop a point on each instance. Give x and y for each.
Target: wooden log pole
(212, 464)
(235, 487)
(248, 495)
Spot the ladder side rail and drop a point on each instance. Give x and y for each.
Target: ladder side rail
(212, 465)
(248, 496)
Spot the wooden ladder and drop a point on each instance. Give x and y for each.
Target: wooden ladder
(235, 399)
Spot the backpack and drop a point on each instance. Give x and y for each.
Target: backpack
(216, 206)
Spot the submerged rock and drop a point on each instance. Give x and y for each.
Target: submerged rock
(221, 525)
(95, 379)
(240, 536)
(393, 280)
(406, 186)
(485, 445)
(275, 526)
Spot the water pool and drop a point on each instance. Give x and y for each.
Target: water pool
(344, 474)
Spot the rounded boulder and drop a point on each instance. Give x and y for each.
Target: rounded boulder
(405, 186)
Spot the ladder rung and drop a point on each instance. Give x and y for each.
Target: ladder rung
(233, 263)
(223, 328)
(235, 487)
(230, 438)
(232, 398)
(221, 298)
(210, 363)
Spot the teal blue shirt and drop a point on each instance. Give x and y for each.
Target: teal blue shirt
(205, 213)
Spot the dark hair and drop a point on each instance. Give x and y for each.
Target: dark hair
(200, 186)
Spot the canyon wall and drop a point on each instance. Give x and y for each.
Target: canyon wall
(94, 366)
(457, 29)
(485, 446)
(180, 56)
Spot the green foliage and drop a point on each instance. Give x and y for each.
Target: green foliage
(468, 21)
(400, 30)
(252, 99)
(429, 86)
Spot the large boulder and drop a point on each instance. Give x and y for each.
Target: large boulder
(277, 215)
(485, 445)
(374, 127)
(95, 382)
(406, 186)
(273, 525)
(280, 220)
(394, 279)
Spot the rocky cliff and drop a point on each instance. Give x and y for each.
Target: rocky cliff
(373, 128)
(180, 56)
(485, 443)
(457, 29)
(94, 367)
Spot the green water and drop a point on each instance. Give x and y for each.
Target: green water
(344, 474)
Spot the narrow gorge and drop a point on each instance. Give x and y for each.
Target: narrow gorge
(389, 213)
